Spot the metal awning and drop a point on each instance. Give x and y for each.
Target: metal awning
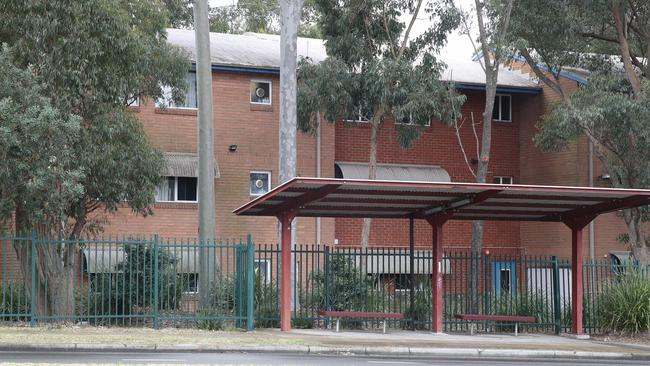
(326, 197)
(185, 165)
(106, 259)
(396, 261)
(405, 172)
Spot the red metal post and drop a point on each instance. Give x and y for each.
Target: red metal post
(436, 279)
(285, 275)
(576, 280)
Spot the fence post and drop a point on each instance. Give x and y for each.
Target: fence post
(156, 286)
(250, 285)
(32, 310)
(327, 293)
(557, 311)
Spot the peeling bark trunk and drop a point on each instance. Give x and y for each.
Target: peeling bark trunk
(372, 174)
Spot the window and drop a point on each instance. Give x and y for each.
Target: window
(504, 280)
(189, 282)
(360, 117)
(190, 94)
(409, 121)
(502, 108)
(262, 268)
(502, 180)
(260, 92)
(260, 183)
(177, 189)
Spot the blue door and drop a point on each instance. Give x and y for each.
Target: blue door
(504, 277)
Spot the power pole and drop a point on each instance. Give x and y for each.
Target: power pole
(206, 195)
(290, 11)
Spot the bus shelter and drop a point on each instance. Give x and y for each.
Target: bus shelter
(438, 203)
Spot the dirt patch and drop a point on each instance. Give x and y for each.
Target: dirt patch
(641, 339)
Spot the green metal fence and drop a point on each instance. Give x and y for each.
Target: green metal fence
(144, 281)
(149, 281)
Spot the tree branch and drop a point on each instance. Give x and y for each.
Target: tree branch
(408, 30)
(540, 74)
(625, 49)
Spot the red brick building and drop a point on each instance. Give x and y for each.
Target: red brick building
(246, 117)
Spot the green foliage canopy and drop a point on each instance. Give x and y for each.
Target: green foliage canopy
(93, 58)
(370, 71)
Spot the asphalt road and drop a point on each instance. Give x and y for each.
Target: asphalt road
(274, 359)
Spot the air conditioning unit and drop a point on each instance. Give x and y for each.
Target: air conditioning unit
(260, 92)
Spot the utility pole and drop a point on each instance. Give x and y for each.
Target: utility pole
(290, 11)
(206, 195)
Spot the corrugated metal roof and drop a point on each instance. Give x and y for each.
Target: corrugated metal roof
(327, 197)
(418, 173)
(185, 165)
(255, 50)
(246, 50)
(467, 71)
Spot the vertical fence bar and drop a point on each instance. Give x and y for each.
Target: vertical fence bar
(557, 315)
(32, 321)
(250, 285)
(156, 287)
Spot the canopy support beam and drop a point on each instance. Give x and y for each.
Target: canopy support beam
(285, 276)
(576, 226)
(436, 223)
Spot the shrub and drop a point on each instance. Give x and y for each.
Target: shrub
(130, 289)
(15, 303)
(625, 305)
(207, 321)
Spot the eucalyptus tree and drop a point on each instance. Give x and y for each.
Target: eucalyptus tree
(613, 108)
(375, 70)
(93, 58)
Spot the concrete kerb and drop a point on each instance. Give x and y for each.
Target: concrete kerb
(353, 350)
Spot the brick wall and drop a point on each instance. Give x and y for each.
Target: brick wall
(254, 129)
(437, 145)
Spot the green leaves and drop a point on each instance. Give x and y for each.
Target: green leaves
(39, 177)
(90, 58)
(371, 68)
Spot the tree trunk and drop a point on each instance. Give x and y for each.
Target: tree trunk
(372, 174)
(47, 270)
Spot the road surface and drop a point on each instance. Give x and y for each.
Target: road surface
(187, 358)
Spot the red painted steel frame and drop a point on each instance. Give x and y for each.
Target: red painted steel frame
(285, 275)
(576, 281)
(436, 276)
(575, 219)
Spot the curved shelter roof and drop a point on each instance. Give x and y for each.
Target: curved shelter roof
(325, 197)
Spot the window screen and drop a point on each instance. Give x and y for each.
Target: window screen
(260, 92)
(186, 189)
(260, 183)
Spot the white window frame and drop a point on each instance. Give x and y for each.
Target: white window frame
(501, 177)
(167, 91)
(176, 191)
(411, 123)
(499, 96)
(250, 97)
(198, 286)
(268, 186)
(134, 103)
(359, 119)
(267, 274)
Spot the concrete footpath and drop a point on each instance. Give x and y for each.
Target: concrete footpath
(404, 343)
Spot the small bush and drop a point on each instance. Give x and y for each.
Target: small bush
(15, 303)
(625, 305)
(207, 321)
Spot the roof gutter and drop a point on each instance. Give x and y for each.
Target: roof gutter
(244, 69)
(500, 89)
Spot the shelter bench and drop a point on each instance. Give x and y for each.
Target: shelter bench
(360, 314)
(497, 318)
